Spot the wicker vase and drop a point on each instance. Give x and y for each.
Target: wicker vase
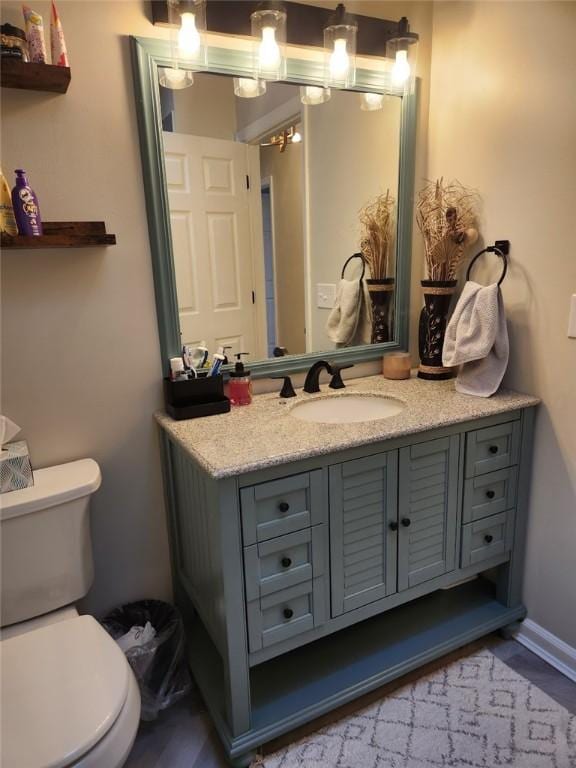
(433, 320)
(382, 300)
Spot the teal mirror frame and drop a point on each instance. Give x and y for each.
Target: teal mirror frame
(147, 55)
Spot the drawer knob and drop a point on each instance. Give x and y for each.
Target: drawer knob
(393, 525)
(288, 613)
(406, 522)
(283, 506)
(286, 562)
(488, 538)
(493, 449)
(490, 494)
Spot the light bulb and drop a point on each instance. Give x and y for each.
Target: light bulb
(339, 60)
(401, 68)
(175, 78)
(247, 88)
(188, 36)
(269, 51)
(296, 137)
(370, 102)
(314, 94)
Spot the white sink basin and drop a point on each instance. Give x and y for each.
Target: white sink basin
(347, 409)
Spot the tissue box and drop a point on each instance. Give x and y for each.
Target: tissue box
(15, 467)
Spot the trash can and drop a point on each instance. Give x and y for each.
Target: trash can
(151, 634)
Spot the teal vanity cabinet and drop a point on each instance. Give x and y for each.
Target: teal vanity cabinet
(306, 581)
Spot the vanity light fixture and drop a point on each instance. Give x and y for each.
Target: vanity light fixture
(188, 20)
(402, 48)
(248, 87)
(371, 102)
(269, 41)
(314, 94)
(340, 49)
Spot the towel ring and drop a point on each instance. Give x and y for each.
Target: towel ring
(498, 252)
(349, 259)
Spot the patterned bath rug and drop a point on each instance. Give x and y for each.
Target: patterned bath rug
(474, 713)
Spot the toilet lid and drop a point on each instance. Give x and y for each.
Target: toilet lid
(63, 687)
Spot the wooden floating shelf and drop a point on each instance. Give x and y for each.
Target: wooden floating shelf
(63, 234)
(34, 77)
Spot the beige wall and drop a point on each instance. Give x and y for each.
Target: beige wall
(80, 356)
(503, 120)
(207, 108)
(285, 171)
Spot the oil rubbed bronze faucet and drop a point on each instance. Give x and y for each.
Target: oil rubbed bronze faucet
(312, 383)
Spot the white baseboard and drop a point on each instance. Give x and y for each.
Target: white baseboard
(549, 647)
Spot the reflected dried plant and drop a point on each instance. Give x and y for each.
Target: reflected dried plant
(377, 221)
(446, 216)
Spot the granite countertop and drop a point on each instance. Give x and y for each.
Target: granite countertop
(264, 434)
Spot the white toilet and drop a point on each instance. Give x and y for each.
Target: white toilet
(69, 697)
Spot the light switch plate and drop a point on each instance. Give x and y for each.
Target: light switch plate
(572, 319)
(325, 295)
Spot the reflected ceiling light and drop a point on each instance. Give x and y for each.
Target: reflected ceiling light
(269, 42)
(282, 140)
(248, 88)
(314, 94)
(370, 102)
(175, 78)
(340, 49)
(402, 47)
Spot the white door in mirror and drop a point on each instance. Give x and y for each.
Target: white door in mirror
(212, 240)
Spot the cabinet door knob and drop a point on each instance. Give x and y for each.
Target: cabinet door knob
(283, 506)
(393, 525)
(286, 562)
(288, 613)
(488, 538)
(493, 449)
(406, 522)
(490, 494)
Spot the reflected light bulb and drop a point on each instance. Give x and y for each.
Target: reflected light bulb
(296, 137)
(339, 60)
(372, 102)
(401, 68)
(188, 35)
(175, 76)
(247, 88)
(269, 51)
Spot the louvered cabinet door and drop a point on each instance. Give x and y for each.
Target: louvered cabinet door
(427, 511)
(363, 503)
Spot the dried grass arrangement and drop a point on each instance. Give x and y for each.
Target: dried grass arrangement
(446, 217)
(377, 221)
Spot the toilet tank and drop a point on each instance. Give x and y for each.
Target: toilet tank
(46, 549)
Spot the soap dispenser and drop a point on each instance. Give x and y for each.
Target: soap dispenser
(240, 384)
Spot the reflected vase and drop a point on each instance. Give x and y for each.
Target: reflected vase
(382, 301)
(432, 329)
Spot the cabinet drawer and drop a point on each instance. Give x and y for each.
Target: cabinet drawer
(280, 563)
(492, 448)
(281, 615)
(489, 494)
(487, 538)
(282, 506)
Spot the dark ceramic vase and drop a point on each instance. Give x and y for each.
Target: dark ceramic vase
(433, 320)
(382, 300)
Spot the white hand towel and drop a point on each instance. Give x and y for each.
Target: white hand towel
(477, 339)
(343, 319)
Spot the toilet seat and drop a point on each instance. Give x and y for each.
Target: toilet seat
(64, 687)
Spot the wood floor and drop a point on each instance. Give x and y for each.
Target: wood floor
(183, 736)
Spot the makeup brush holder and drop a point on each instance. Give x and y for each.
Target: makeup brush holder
(194, 398)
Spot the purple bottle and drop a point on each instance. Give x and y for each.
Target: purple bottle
(25, 204)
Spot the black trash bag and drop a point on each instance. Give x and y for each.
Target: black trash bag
(158, 664)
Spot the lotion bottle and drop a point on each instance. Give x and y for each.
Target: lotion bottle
(25, 205)
(7, 220)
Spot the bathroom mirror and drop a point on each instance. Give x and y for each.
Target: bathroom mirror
(256, 205)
